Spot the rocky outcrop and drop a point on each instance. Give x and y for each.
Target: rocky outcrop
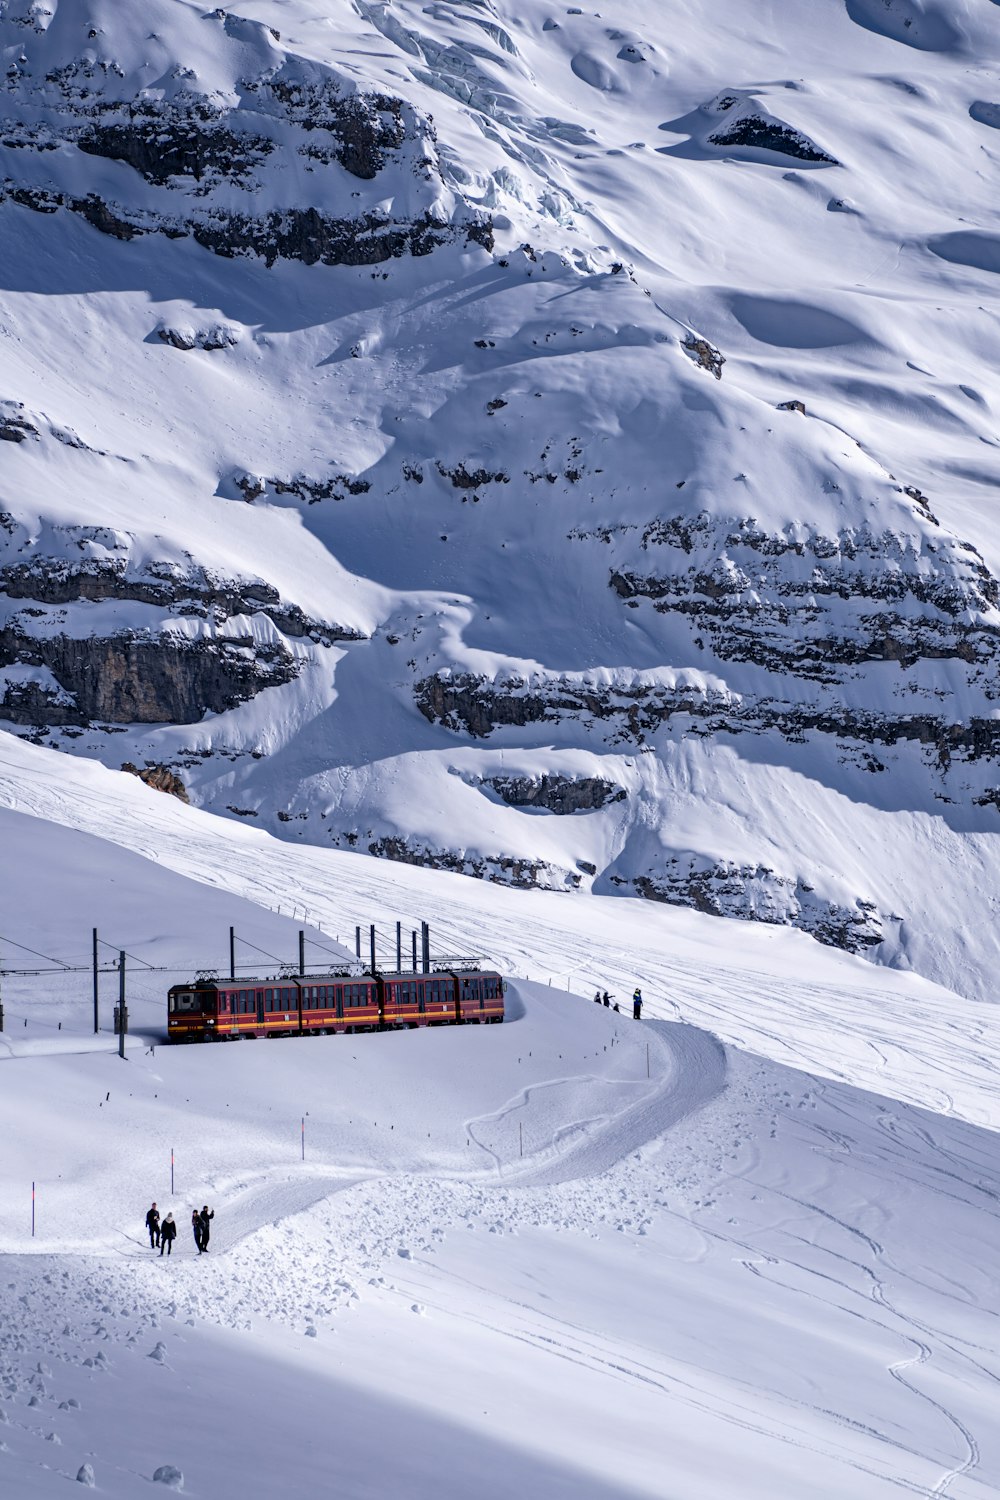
(631, 711)
(750, 126)
(556, 793)
(215, 336)
(14, 425)
(203, 164)
(810, 604)
(160, 778)
(138, 679)
(757, 893)
(196, 591)
(501, 869)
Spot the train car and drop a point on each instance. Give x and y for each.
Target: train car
(418, 999)
(479, 996)
(220, 1010)
(212, 1009)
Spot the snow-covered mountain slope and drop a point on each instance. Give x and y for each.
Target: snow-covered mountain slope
(760, 988)
(571, 1255)
(552, 446)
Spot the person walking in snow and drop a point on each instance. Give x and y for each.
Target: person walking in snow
(196, 1228)
(206, 1220)
(168, 1233)
(153, 1225)
(637, 1004)
(607, 999)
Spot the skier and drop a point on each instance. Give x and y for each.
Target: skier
(168, 1233)
(205, 1218)
(153, 1225)
(196, 1229)
(637, 1004)
(607, 1000)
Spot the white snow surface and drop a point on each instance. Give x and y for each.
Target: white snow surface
(573, 1254)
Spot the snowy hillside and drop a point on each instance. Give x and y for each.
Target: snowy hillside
(572, 1255)
(552, 446)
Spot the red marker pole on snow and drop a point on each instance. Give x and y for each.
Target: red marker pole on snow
(303, 1138)
(171, 1171)
(32, 1210)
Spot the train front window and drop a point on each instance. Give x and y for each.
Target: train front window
(184, 1000)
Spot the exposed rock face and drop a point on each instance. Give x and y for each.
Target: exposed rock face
(127, 679)
(196, 591)
(557, 794)
(810, 604)
(501, 869)
(14, 425)
(759, 894)
(749, 125)
(160, 778)
(704, 354)
(632, 711)
(201, 160)
(217, 336)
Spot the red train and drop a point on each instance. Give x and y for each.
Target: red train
(216, 1010)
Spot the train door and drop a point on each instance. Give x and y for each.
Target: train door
(421, 1007)
(260, 1007)
(339, 992)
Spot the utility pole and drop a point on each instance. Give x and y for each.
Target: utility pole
(399, 953)
(414, 936)
(122, 1010)
(357, 941)
(97, 1023)
(425, 942)
(302, 952)
(371, 932)
(232, 952)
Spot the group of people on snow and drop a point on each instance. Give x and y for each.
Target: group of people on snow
(603, 998)
(162, 1233)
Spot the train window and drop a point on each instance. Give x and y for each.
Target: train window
(184, 1000)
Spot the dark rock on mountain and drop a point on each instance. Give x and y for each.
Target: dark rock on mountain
(759, 894)
(762, 133)
(501, 869)
(555, 793)
(138, 679)
(160, 778)
(49, 580)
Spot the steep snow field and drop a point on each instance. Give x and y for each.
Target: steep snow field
(391, 534)
(569, 1255)
(765, 988)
